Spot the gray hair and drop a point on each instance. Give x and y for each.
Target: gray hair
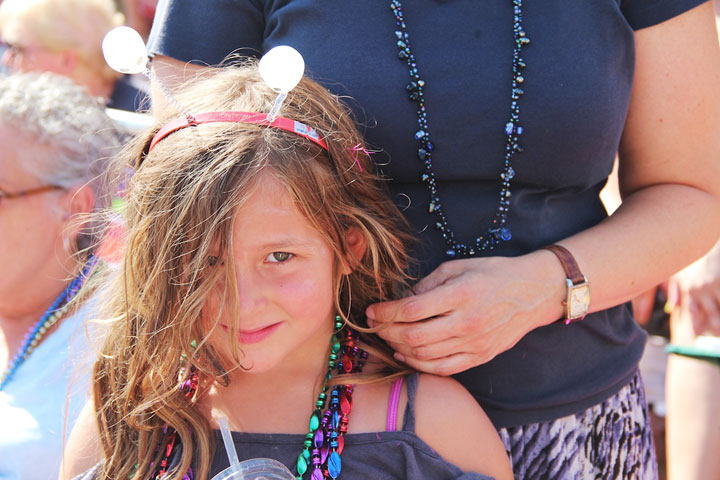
(51, 111)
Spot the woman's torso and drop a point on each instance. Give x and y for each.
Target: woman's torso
(577, 88)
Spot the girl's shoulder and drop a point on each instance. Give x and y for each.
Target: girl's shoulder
(449, 419)
(441, 413)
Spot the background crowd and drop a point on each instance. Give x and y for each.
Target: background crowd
(57, 96)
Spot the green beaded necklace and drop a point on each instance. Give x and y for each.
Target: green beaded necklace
(325, 440)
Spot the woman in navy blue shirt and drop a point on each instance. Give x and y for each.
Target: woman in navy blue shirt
(498, 123)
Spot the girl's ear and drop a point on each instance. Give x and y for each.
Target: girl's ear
(357, 244)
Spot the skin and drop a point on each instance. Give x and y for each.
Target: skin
(136, 14)
(28, 55)
(691, 395)
(468, 311)
(284, 370)
(695, 293)
(35, 264)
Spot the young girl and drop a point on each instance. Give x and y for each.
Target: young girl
(252, 253)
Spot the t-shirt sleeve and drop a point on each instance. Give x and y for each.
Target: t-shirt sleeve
(207, 31)
(646, 13)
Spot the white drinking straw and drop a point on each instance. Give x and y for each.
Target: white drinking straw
(227, 440)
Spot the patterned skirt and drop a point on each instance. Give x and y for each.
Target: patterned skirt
(611, 440)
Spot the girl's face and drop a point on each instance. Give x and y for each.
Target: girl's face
(284, 271)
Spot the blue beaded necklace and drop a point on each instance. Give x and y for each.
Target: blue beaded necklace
(499, 231)
(51, 316)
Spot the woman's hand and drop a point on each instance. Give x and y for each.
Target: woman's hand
(696, 292)
(468, 311)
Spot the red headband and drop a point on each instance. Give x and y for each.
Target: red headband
(261, 119)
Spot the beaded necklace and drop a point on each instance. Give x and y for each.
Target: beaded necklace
(51, 316)
(325, 441)
(327, 430)
(499, 231)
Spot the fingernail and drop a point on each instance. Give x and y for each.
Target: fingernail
(370, 322)
(370, 312)
(399, 357)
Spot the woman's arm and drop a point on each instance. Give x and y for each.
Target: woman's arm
(83, 450)
(450, 420)
(669, 174)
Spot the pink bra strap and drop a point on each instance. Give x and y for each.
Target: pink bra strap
(393, 402)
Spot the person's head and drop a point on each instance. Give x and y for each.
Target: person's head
(232, 228)
(60, 36)
(55, 143)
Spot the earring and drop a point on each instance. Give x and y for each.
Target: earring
(188, 386)
(66, 244)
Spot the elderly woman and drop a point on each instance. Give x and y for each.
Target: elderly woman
(55, 140)
(65, 37)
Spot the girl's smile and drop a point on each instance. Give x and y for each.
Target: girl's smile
(255, 335)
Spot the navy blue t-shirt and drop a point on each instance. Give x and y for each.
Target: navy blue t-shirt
(578, 78)
(129, 95)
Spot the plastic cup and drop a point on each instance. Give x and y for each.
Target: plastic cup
(253, 469)
(256, 469)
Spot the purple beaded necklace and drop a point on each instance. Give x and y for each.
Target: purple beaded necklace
(499, 231)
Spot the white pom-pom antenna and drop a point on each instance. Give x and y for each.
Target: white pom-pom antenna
(125, 51)
(282, 68)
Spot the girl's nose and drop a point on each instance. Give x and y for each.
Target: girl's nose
(251, 293)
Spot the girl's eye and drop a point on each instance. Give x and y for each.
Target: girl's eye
(279, 257)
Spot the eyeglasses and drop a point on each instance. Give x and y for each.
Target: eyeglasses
(25, 193)
(10, 47)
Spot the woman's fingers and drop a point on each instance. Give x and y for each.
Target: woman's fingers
(437, 350)
(404, 336)
(414, 308)
(444, 366)
(706, 308)
(439, 276)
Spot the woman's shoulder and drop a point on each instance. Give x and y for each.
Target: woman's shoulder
(91, 474)
(450, 421)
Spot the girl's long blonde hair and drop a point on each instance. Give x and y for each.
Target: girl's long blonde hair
(180, 205)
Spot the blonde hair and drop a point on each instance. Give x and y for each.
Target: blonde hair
(180, 205)
(58, 25)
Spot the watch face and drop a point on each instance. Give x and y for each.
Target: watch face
(579, 300)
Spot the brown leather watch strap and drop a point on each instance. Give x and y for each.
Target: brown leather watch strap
(572, 269)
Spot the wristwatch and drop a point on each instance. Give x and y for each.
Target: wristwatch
(577, 301)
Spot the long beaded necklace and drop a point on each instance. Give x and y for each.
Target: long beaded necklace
(325, 441)
(51, 316)
(499, 231)
(327, 430)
